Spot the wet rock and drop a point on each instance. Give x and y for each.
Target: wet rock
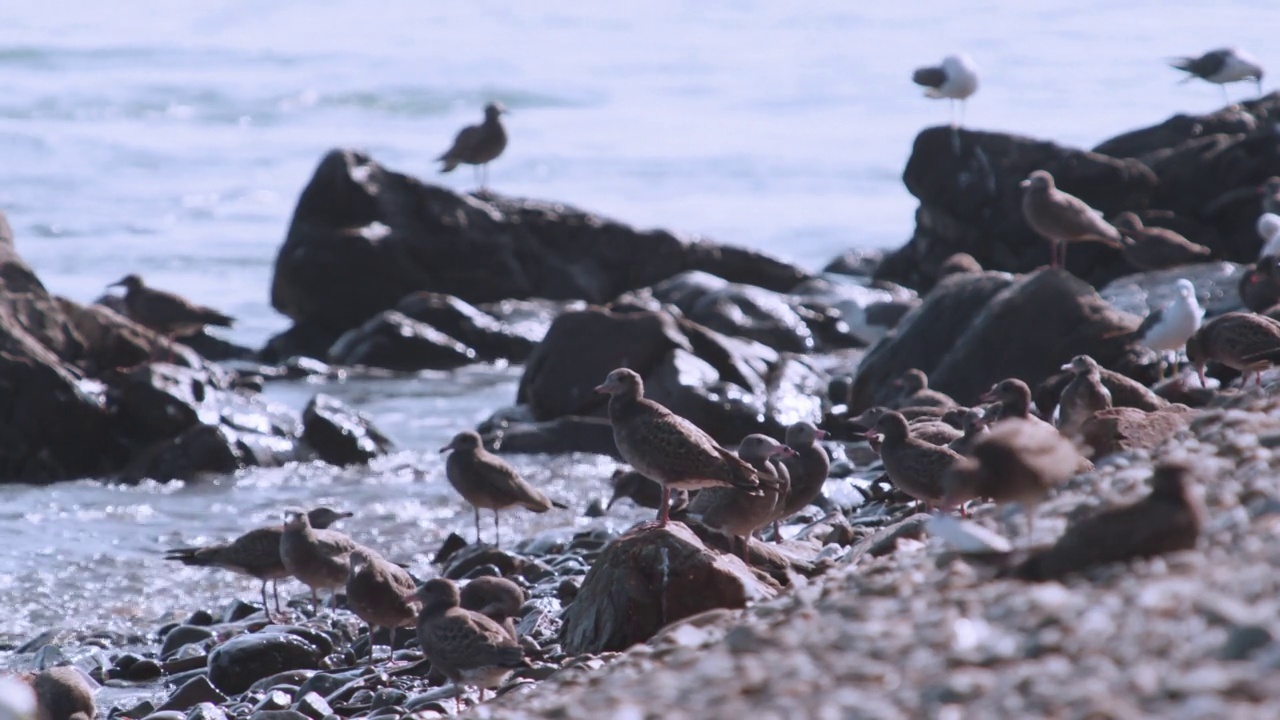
(339, 434)
(1245, 640)
(237, 610)
(206, 711)
(561, 435)
(323, 684)
(472, 557)
(277, 715)
(199, 618)
(395, 341)
(183, 635)
(771, 318)
(313, 706)
(192, 693)
(388, 697)
(166, 715)
(364, 237)
(647, 579)
(859, 262)
(967, 183)
(242, 660)
(1123, 428)
(491, 338)
(144, 669)
(273, 700)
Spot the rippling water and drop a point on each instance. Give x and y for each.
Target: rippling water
(172, 139)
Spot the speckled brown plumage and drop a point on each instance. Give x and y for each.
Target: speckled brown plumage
(1083, 396)
(1016, 461)
(381, 593)
(1014, 397)
(737, 514)
(63, 693)
(1168, 520)
(498, 599)
(924, 428)
(1062, 218)
(464, 646)
(320, 559)
(487, 481)
(1156, 248)
(666, 447)
(916, 393)
(807, 468)
(255, 553)
(1245, 341)
(164, 312)
(914, 466)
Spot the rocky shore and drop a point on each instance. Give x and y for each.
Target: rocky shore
(867, 608)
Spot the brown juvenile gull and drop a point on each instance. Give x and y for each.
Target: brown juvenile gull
(1167, 520)
(1062, 218)
(1222, 66)
(955, 79)
(666, 447)
(1156, 248)
(975, 426)
(380, 593)
(465, 646)
(1244, 341)
(1014, 398)
(255, 553)
(496, 598)
(63, 693)
(478, 144)
(1083, 396)
(487, 481)
(165, 313)
(925, 428)
(807, 468)
(1016, 461)
(320, 559)
(736, 514)
(914, 466)
(916, 393)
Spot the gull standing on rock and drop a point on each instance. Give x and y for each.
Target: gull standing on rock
(255, 553)
(166, 313)
(955, 79)
(914, 466)
(1167, 329)
(320, 559)
(807, 468)
(1156, 248)
(380, 593)
(736, 514)
(1062, 218)
(916, 392)
(478, 144)
(464, 646)
(1244, 341)
(1226, 65)
(666, 447)
(1083, 396)
(487, 481)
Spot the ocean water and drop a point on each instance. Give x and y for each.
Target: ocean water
(172, 139)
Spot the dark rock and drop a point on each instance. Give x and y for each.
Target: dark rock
(201, 449)
(1177, 130)
(206, 711)
(193, 692)
(199, 618)
(562, 435)
(183, 635)
(449, 548)
(363, 237)
(237, 610)
(1027, 331)
(967, 183)
(387, 697)
(313, 706)
(166, 715)
(323, 684)
(1243, 641)
(274, 700)
(1122, 428)
(491, 338)
(242, 660)
(395, 341)
(474, 556)
(278, 715)
(771, 318)
(858, 262)
(647, 579)
(144, 669)
(339, 434)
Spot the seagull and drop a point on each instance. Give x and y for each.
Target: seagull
(478, 144)
(955, 79)
(1167, 329)
(1062, 218)
(1269, 230)
(1222, 66)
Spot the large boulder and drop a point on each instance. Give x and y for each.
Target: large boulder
(363, 237)
(649, 578)
(967, 183)
(1026, 330)
(243, 660)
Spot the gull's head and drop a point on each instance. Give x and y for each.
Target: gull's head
(622, 381)
(493, 110)
(1186, 290)
(1038, 181)
(1269, 225)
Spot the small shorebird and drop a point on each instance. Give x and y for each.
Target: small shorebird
(916, 392)
(914, 466)
(478, 145)
(1062, 218)
(487, 481)
(666, 447)
(1156, 248)
(320, 559)
(1167, 520)
(955, 79)
(1226, 65)
(1083, 396)
(255, 553)
(1017, 461)
(930, 429)
(1167, 329)
(464, 646)
(496, 598)
(380, 593)
(736, 514)
(807, 468)
(165, 313)
(1014, 398)
(1245, 341)
(974, 427)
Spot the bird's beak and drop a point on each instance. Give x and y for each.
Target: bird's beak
(1024, 183)
(822, 434)
(784, 451)
(346, 515)
(601, 388)
(870, 434)
(988, 396)
(1200, 372)
(1065, 367)
(446, 448)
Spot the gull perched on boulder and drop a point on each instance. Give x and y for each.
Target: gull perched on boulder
(1222, 66)
(955, 79)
